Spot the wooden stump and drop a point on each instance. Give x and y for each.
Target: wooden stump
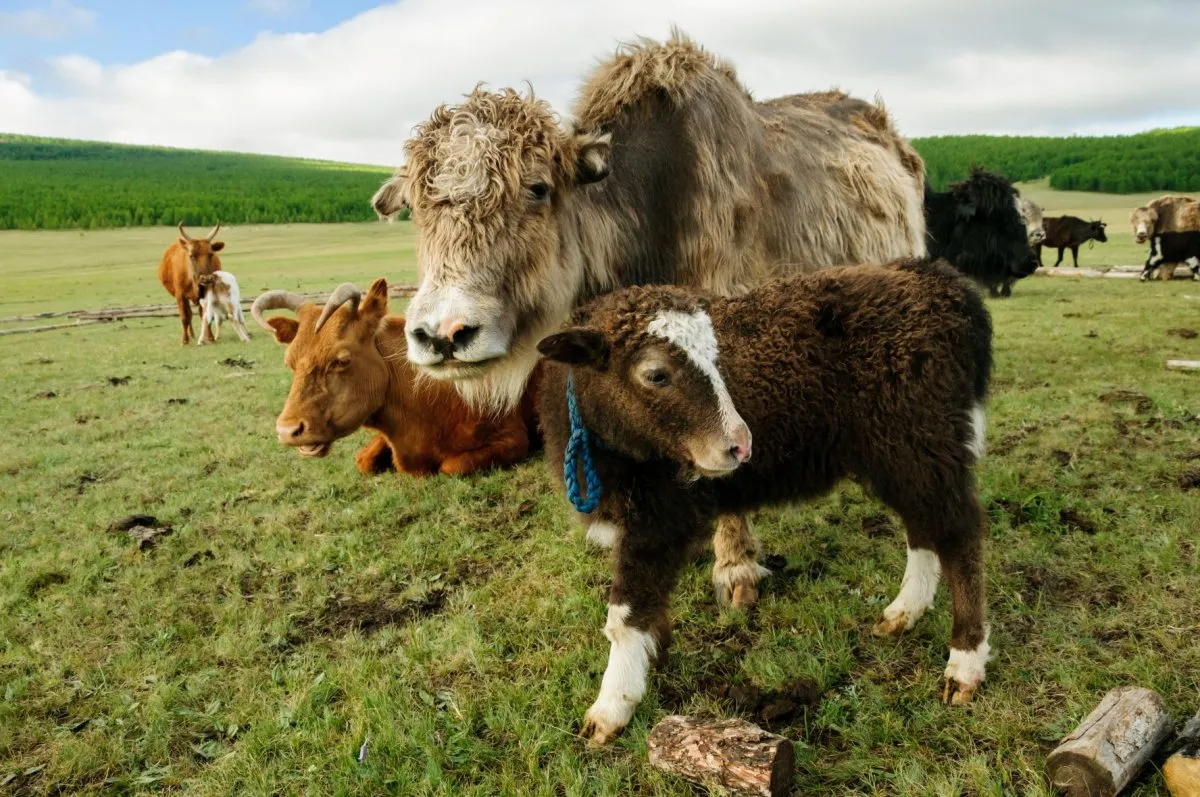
(730, 756)
(1103, 755)
(1182, 770)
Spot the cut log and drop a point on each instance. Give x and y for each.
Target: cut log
(1104, 754)
(730, 756)
(1182, 770)
(1183, 365)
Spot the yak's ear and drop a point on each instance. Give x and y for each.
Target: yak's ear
(966, 210)
(576, 346)
(593, 156)
(217, 246)
(392, 196)
(285, 328)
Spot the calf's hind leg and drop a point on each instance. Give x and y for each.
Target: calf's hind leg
(945, 538)
(736, 572)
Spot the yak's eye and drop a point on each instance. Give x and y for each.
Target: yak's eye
(539, 191)
(657, 377)
(341, 363)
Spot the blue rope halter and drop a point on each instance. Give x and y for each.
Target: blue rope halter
(579, 449)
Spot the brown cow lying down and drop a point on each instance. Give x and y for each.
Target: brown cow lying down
(650, 399)
(350, 370)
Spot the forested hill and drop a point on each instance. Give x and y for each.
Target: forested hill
(1159, 160)
(52, 183)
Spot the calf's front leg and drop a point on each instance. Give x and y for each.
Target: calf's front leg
(647, 557)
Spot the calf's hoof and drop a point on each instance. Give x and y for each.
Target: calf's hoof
(602, 724)
(956, 694)
(737, 585)
(965, 671)
(892, 626)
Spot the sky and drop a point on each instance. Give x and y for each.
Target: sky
(348, 80)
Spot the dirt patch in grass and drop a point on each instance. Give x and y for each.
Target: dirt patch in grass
(46, 394)
(1189, 479)
(342, 615)
(1141, 402)
(1037, 582)
(1075, 520)
(43, 581)
(775, 709)
(1180, 332)
(878, 526)
(117, 381)
(237, 362)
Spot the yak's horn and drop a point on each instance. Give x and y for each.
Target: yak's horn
(274, 300)
(346, 292)
(213, 232)
(183, 232)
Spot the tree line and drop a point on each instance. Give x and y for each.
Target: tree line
(1159, 160)
(55, 183)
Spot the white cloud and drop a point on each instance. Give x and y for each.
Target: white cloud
(355, 91)
(57, 19)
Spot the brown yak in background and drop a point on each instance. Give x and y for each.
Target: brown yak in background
(182, 264)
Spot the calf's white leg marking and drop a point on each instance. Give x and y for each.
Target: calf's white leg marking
(921, 575)
(624, 681)
(966, 670)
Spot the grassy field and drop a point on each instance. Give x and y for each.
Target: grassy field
(1120, 250)
(299, 611)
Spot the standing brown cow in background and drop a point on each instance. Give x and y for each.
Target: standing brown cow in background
(182, 264)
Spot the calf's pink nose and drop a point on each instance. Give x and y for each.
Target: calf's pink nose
(739, 437)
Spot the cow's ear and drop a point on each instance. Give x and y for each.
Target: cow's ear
(285, 328)
(217, 246)
(593, 153)
(966, 210)
(392, 196)
(185, 243)
(576, 346)
(375, 304)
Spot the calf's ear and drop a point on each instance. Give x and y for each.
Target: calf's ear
(576, 346)
(593, 157)
(217, 246)
(285, 328)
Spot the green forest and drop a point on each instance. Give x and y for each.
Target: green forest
(55, 184)
(1159, 160)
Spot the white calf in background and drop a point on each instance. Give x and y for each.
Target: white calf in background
(222, 301)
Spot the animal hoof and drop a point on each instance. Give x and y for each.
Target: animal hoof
(891, 626)
(957, 694)
(737, 585)
(744, 596)
(598, 728)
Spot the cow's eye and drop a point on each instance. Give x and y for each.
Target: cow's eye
(657, 377)
(341, 363)
(539, 191)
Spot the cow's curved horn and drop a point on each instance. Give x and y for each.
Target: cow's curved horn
(274, 300)
(213, 232)
(346, 292)
(183, 232)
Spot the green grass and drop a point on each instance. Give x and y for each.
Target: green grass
(299, 608)
(50, 183)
